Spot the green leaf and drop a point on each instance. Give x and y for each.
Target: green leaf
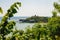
(18, 3)
(1, 11)
(14, 10)
(16, 6)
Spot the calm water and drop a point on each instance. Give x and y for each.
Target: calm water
(19, 25)
(23, 25)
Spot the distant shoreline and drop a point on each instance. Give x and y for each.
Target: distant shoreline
(34, 19)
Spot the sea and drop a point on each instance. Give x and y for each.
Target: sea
(19, 25)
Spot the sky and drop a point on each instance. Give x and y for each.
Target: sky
(30, 7)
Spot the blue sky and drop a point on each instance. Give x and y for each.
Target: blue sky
(30, 7)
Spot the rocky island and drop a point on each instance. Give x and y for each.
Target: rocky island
(35, 19)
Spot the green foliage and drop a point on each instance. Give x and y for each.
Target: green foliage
(54, 22)
(54, 13)
(6, 27)
(57, 6)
